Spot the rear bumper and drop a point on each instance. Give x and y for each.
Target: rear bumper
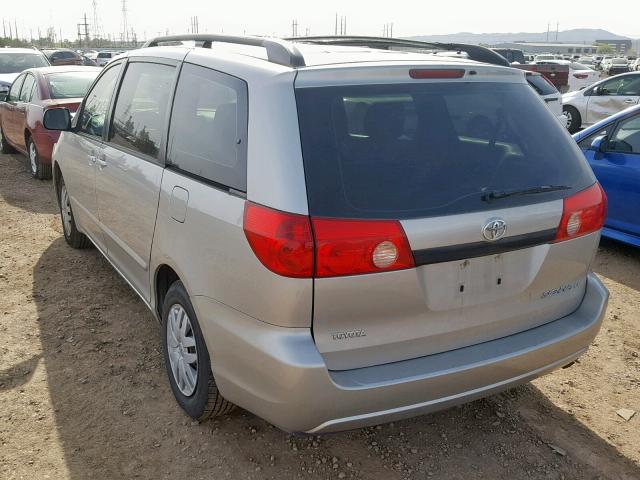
(278, 374)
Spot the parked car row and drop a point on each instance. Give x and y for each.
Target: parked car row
(336, 234)
(32, 94)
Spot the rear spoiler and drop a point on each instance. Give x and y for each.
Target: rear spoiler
(474, 52)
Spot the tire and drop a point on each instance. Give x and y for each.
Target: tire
(72, 235)
(39, 170)
(4, 145)
(574, 122)
(201, 400)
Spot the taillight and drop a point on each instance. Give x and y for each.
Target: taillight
(581, 76)
(298, 246)
(418, 73)
(283, 242)
(583, 213)
(351, 247)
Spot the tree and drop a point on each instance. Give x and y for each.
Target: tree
(605, 48)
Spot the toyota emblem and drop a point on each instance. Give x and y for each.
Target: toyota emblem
(494, 229)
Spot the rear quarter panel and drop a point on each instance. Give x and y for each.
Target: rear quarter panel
(212, 256)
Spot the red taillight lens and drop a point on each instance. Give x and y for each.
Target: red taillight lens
(581, 76)
(418, 73)
(583, 213)
(351, 247)
(283, 242)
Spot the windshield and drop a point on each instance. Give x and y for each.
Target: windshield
(619, 61)
(70, 84)
(17, 62)
(104, 55)
(431, 149)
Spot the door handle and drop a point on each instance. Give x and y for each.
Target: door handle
(101, 163)
(629, 100)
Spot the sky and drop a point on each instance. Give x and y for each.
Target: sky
(410, 17)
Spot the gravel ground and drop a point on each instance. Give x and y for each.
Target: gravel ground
(83, 392)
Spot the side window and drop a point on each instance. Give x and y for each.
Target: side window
(627, 85)
(586, 142)
(630, 86)
(610, 87)
(141, 107)
(208, 134)
(14, 93)
(626, 138)
(27, 88)
(97, 103)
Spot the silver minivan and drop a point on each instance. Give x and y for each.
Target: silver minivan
(333, 237)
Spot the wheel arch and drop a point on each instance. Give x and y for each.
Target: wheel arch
(165, 276)
(57, 175)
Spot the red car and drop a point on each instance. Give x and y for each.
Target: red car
(31, 94)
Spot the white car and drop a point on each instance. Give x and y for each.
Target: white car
(546, 57)
(635, 65)
(103, 58)
(549, 93)
(600, 100)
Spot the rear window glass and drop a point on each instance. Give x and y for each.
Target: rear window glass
(70, 84)
(431, 149)
(17, 62)
(540, 85)
(104, 55)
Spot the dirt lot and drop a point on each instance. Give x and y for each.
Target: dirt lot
(83, 392)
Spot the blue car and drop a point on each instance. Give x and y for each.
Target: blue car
(612, 147)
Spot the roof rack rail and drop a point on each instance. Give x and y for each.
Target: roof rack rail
(278, 51)
(475, 52)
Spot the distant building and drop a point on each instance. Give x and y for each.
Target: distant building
(620, 46)
(556, 48)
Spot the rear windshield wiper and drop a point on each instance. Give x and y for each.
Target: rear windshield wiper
(497, 194)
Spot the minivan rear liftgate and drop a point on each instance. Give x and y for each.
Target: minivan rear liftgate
(446, 210)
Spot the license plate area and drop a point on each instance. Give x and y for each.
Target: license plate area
(475, 281)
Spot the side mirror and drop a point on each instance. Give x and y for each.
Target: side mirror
(599, 144)
(57, 119)
(3, 96)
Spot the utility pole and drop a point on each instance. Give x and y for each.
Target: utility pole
(294, 28)
(4, 29)
(97, 28)
(83, 26)
(336, 29)
(15, 23)
(548, 27)
(125, 26)
(557, 30)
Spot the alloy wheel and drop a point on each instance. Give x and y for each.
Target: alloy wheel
(65, 210)
(181, 346)
(569, 118)
(33, 157)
